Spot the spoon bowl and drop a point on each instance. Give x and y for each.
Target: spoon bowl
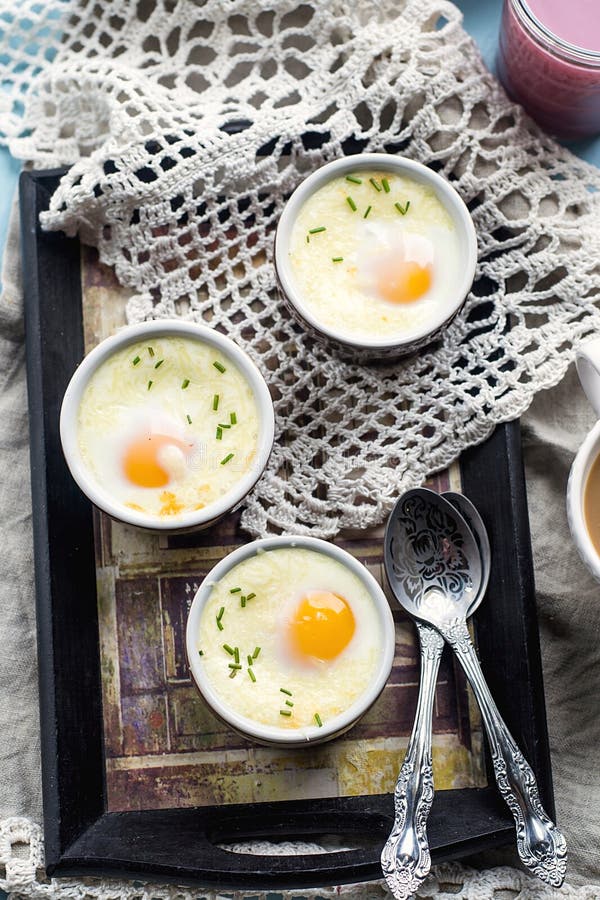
(431, 558)
(471, 515)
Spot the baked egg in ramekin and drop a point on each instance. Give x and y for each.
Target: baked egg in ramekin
(375, 254)
(167, 425)
(290, 640)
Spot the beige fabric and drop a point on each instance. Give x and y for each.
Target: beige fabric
(20, 787)
(569, 620)
(569, 612)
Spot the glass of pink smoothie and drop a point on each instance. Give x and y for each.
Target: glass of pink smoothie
(549, 61)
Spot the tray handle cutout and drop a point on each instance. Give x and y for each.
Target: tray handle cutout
(310, 833)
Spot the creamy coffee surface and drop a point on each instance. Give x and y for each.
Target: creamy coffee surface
(591, 504)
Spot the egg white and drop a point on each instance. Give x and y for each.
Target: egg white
(343, 295)
(117, 407)
(280, 578)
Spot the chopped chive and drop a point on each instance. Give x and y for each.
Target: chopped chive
(337, 259)
(220, 613)
(216, 402)
(256, 652)
(288, 703)
(235, 590)
(284, 691)
(151, 351)
(223, 425)
(158, 364)
(226, 458)
(219, 625)
(317, 230)
(375, 185)
(189, 418)
(250, 660)
(386, 185)
(136, 360)
(200, 652)
(307, 239)
(351, 203)
(233, 418)
(150, 383)
(252, 675)
(236, 654)
(285, 712)
(185, 383)
(219, 433)
(353, 179)
(318, 720)
(402, 209)
(219, 366)
(242, 601)
(367, 211)
(234, 665)
(250, 596)
(228, 649)
(233, 673)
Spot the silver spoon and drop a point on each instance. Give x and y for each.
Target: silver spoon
(434, 568)
(405, 859)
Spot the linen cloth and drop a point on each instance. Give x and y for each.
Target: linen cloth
(569, 614)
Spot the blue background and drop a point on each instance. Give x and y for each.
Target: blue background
(481, 19)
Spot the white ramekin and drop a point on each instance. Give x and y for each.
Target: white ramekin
(588, 369)
(376, 347)
(70, 410)
(313, 734)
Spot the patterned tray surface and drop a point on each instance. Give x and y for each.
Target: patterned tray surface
(163, 747)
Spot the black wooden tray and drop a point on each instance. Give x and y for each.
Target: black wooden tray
(81, 837)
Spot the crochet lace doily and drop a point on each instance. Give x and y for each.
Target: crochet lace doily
(140, 97)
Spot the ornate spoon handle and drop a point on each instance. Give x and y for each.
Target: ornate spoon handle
(541, 846)
(405, 859)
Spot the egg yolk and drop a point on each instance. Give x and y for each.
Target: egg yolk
(322, 626)
(403, 281)
(141, 463)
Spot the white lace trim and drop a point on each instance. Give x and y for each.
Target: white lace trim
(21, 855)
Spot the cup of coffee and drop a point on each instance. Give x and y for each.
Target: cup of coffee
(583, 490)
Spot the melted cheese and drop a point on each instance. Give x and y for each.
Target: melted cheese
(120, 411)
(350, 295)
(280, 579)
